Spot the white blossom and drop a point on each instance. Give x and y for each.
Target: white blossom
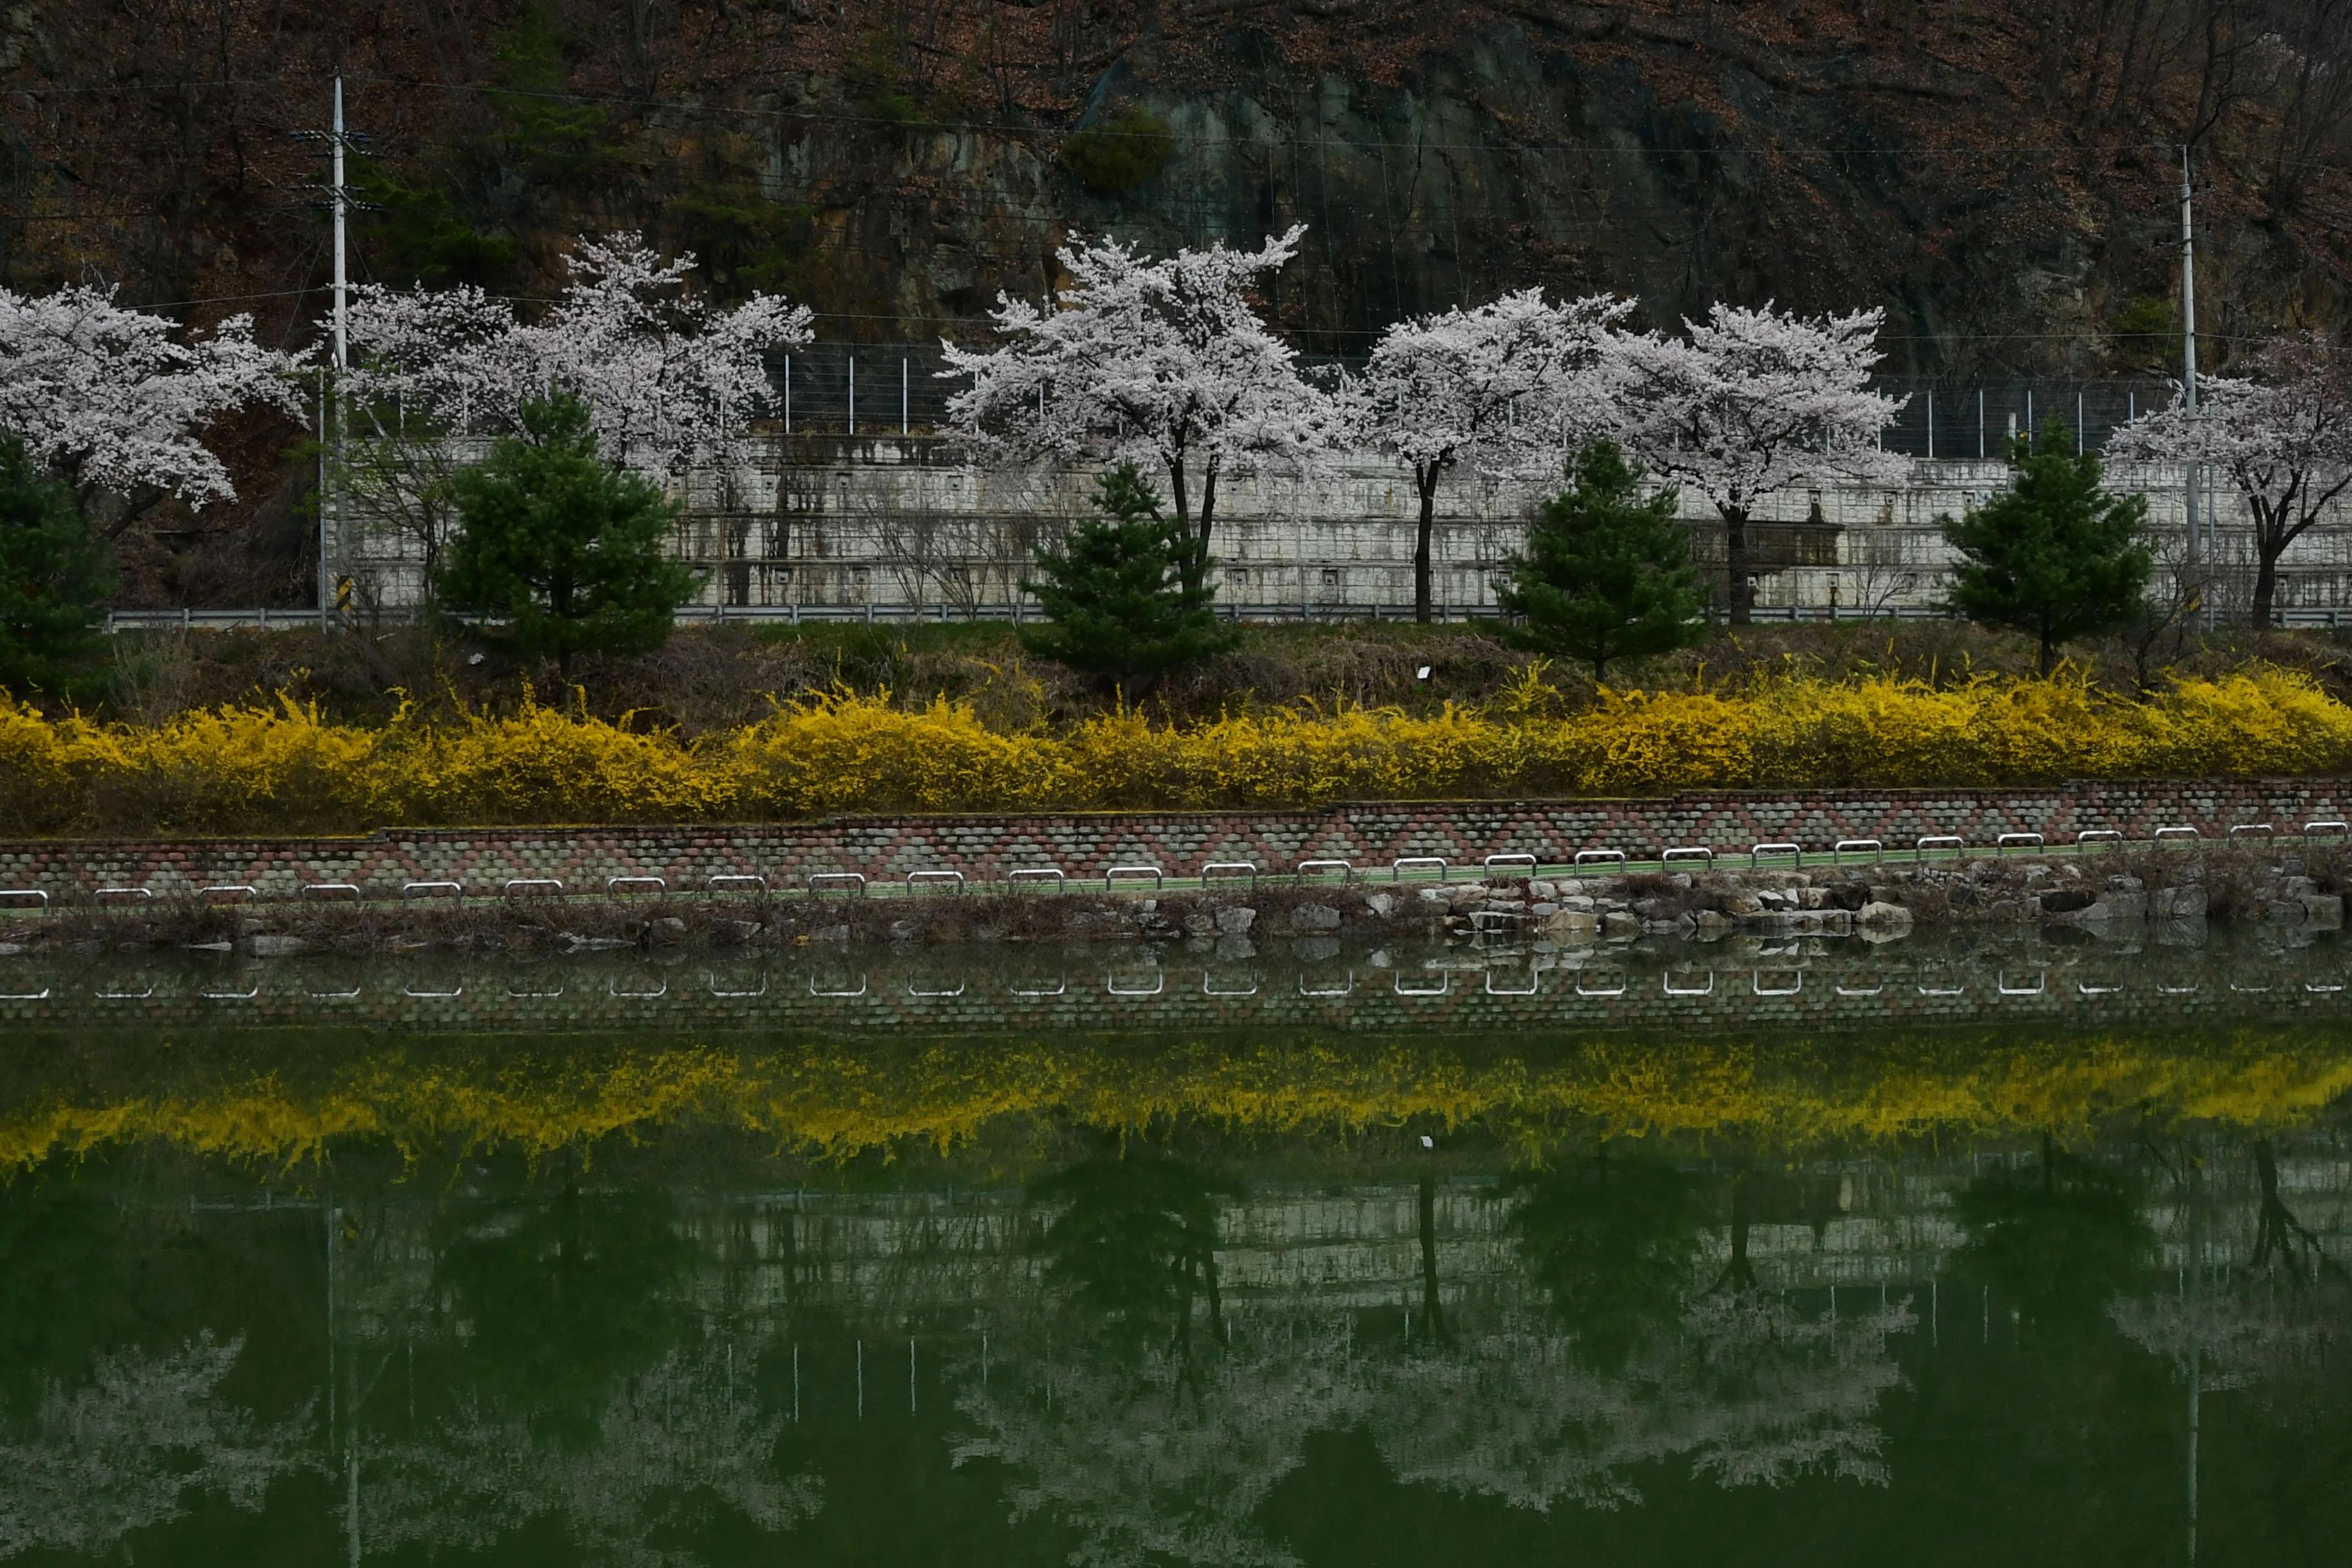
(1163, 361)
(114, 399)
(671, 382)
(1500, 387)
(2284, 437)
(1749, 404)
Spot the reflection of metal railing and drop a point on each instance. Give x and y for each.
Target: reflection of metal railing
(1516, 864)
(1533, 984)
(1239, 993)
(1158, 984)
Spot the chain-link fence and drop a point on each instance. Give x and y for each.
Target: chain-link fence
(1953, 419)
(889, 389)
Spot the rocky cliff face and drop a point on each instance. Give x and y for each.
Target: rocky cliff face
(2002, 177)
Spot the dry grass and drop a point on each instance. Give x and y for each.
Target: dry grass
(711, 678)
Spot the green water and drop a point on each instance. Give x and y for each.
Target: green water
(2076, 1330)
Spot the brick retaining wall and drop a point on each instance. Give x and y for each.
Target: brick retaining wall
(1082, 844)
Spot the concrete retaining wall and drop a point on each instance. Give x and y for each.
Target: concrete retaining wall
(891, 521)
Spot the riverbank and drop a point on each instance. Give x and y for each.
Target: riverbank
(2112, 888)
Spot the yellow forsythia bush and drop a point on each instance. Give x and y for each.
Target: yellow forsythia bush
(285, 768)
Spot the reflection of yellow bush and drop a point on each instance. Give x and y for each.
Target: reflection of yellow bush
(286, 767)
(839, 1102)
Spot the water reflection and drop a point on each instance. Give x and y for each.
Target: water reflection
(672, 1452)
(1612, 1241)
(1135, 1243)
(558, 1303)
(2061, 1241)
(129, 1446)
(1214, 1339)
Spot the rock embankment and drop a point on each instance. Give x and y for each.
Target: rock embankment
(2098, 893)
(2112, 891)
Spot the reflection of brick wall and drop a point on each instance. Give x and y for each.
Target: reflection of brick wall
(1083, 845)
(1290, 990)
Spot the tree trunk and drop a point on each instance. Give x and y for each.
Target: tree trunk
(1425, 480)
(1739, 1274)
(1217, 1297)
(1432, 1308)
(2267, 551)
(1742, 598)
(1208, 511)
(2049, 653)
(1182, 497)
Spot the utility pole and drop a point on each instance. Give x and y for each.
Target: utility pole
(333, 504)
(2188, 387)
(330, 506)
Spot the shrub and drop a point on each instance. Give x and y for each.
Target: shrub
(569, 552)
(54, 575)
(1120, 154)
(1607, 575)
(1126, 595)
(284, 768)
(2055, 554)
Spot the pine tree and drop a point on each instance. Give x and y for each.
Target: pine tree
(1127, 595)
(2055, 554)
(568, 551)
(53, 574)
(1606, 573)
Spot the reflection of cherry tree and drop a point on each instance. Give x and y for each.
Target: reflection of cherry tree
(2061, 1241)
(1746, 1389)
(669, 1439)
(1155, 1450)
(98, 1462)
(1171, 1459)
(1168, 1457)
(2274, 1323)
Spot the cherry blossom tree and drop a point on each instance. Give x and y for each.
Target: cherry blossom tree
(1749, 404)
(116, 400)
(1498, 385)
(1160, 361)
(2284, 437)
(670, 381)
